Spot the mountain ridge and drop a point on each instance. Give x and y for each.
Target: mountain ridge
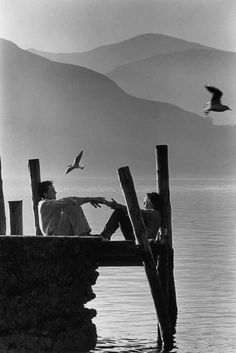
(51, 110)
(160, 77)
(137, 37)
(107, 57)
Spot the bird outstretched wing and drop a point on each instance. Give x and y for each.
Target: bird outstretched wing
(77, 160)
(69, 169)
(216, 93)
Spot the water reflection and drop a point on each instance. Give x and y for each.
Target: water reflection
(137, 345)
(129, 345)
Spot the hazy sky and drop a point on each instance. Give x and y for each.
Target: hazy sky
(78, 25)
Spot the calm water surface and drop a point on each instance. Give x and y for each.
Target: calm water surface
(204, 239)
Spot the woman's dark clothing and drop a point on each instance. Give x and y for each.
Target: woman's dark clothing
(120, 218)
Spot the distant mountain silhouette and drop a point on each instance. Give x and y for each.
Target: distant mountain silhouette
(51, 111)
(108, 57)
(178, 78)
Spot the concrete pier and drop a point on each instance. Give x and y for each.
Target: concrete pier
(44, 284)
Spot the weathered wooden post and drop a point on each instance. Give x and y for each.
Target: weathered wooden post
(2, 206)
(162, 174)
(16, 218)
(149, 263)
(34, 169)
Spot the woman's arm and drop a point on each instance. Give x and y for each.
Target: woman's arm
(114, 205)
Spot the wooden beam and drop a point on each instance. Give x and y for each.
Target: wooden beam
(149, 263)
(16, 217)
(119, 253)
(34, 169)
(2, 206)
(124, 253)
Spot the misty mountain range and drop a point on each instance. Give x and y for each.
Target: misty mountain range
(108, 57)
(52, 110)
(162, 68)
(179, 78)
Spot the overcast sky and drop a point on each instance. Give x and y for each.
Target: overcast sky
(78, 25)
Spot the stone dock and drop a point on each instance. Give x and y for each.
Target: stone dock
(45, 283)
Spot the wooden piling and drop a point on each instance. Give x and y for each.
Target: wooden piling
(2, 206)
(16, 217)
(34, 169)
(162, 173)
(149, 263)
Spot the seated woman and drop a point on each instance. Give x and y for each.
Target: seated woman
(152, 215)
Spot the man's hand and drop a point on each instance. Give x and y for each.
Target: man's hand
(95, 202)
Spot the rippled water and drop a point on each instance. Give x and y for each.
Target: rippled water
(204, 240)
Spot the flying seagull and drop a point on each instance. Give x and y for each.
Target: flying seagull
(215, 102)
(75, 164)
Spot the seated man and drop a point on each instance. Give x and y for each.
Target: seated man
(64, 216)
(152, 216)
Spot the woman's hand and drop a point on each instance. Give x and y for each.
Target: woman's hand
(113, 204)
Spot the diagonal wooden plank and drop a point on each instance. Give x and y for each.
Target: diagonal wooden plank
(149, 263)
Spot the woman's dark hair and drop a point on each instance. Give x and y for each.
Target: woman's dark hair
(43, 188)
(156, 200)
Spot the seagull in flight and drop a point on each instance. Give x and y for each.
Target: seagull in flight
(215, 104)
(75, 164)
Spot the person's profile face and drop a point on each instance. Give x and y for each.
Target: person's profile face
(51, 193)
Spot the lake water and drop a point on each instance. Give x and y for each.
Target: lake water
(204, 241)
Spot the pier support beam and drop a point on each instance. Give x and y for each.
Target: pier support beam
(162, 175)
(149, 263)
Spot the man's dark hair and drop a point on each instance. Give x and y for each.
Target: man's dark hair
(43, 187)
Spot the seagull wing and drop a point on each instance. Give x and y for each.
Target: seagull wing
(216, 94)
(77, 160)
(69, 169)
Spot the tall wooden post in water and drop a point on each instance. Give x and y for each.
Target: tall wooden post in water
(34, 169)
(16, 217)
(162, 173)
(149, 263)
(2, 206)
